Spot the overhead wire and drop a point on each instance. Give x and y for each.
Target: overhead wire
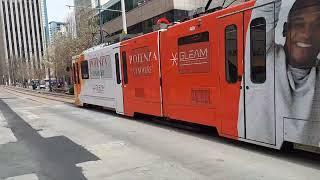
(231, 3)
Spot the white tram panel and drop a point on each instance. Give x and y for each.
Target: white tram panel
(101, 87)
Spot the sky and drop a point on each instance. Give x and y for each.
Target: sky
(57, 9)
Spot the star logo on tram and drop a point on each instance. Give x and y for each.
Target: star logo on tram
(174, 59)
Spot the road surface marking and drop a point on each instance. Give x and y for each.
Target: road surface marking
(31, 107)
(24, 177)
(6, 135)
(29, 115)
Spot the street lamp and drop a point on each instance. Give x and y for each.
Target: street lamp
(123, 11)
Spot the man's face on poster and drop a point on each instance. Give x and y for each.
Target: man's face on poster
(303, 37)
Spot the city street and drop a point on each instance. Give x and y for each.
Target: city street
(45, 139)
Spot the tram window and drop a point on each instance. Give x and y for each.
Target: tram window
(117, 68)
(125, 70)
(195, 38)
(84, 70)
(74, 73)
(258, 50)
(78, 75)
(231, 53)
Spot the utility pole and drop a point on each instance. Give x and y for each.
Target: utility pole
(124, 18)
(101, 22)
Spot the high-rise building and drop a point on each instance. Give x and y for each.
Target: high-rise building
(83, 3)
(45, 22)
(56, 27)
(80, 7)
(21, 36)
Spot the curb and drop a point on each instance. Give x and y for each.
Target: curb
(41, 95)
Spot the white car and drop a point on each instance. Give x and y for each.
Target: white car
(42, 86)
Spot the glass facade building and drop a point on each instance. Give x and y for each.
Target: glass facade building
(142, 15)
(130, 4)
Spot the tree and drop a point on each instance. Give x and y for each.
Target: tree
(71, 43)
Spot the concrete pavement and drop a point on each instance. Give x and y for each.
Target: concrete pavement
(47, 139)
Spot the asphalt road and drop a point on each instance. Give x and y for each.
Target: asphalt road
(50, 140)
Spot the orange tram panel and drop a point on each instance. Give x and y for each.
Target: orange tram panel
(141, 75)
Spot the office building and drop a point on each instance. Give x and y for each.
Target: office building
(142, 15)
(80, 7)
(21, 36)
(55, 28)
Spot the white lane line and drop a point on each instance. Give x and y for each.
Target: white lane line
(24, 177)
(3, 122)
(31, 107)
(40, 107)
(29, 115)
(6, 135)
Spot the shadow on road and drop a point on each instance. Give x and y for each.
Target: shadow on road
(50, 158)
(304, 158)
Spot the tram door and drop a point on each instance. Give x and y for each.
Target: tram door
(118, 79)
(231, 71)
(259, 88)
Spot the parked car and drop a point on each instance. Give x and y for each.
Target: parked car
(42, 86)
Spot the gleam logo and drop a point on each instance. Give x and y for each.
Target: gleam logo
(174, 59)
(190, 57)
(193, 56)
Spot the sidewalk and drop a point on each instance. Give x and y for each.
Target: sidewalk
(41, 91)
(43, 94)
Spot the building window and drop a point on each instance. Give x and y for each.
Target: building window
(84, 70)
(258, 50)
(110, 15)
(231, 54)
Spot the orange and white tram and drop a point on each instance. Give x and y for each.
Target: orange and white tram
(251, 71)
(99, 82)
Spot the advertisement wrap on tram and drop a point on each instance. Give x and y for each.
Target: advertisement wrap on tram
(251, 71)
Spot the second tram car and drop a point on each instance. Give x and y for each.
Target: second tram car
(98, 77)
